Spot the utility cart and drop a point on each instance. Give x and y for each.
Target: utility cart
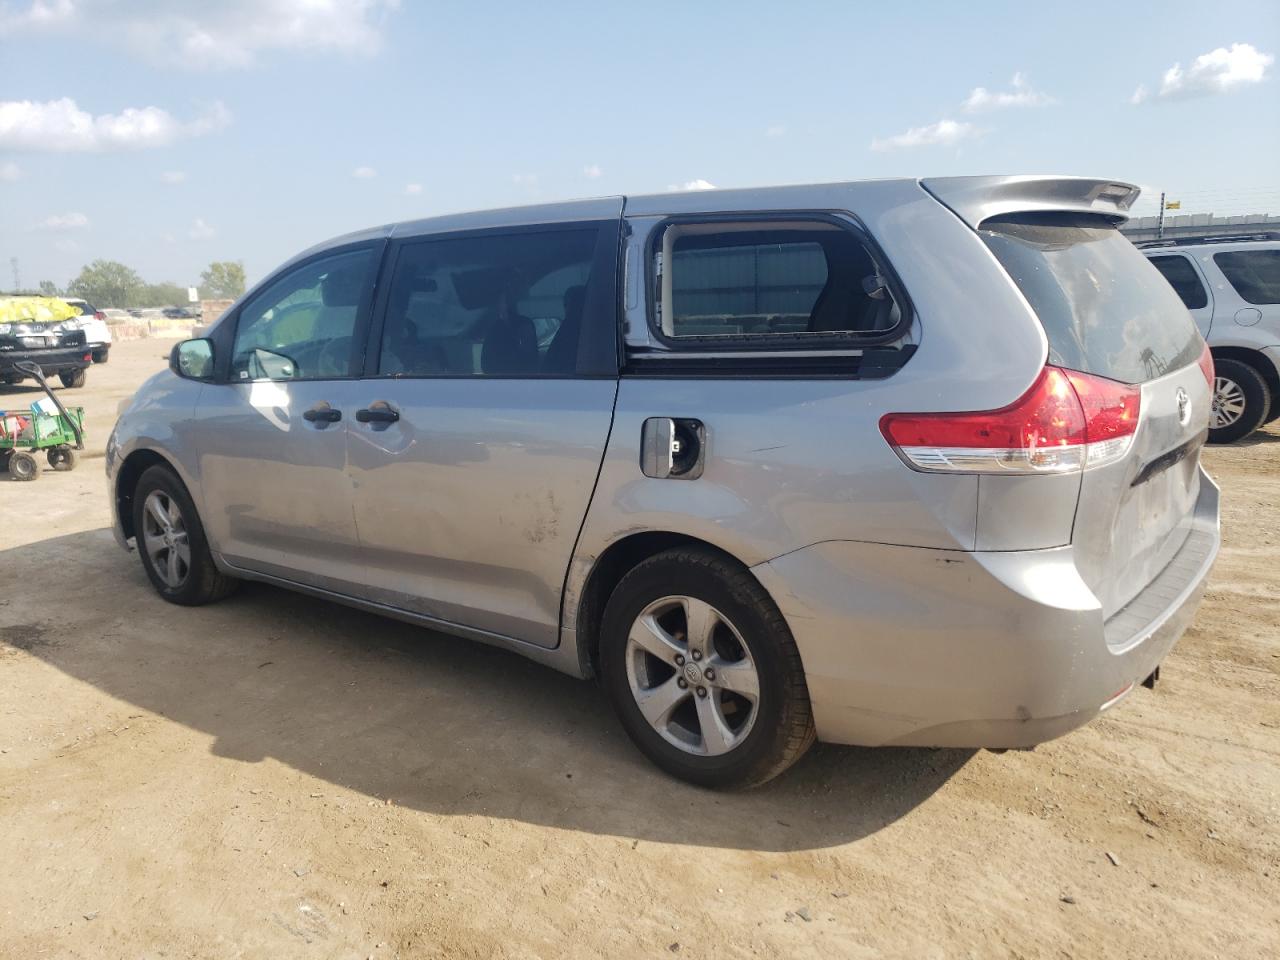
(23, 433)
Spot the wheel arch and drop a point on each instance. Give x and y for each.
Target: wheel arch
(607, 571)
(1258, 361)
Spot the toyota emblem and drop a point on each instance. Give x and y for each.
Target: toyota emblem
(1184, 407)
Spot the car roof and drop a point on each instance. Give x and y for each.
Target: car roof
(1265, 239)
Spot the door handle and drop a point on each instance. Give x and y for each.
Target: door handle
(379, 412)
(322, 413)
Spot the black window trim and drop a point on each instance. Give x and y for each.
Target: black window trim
(1195, 272)
(599, 349)
(224, 334)
(783, 343)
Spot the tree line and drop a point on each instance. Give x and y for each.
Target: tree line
(107, 283)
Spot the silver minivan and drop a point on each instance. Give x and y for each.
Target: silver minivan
(910, 462)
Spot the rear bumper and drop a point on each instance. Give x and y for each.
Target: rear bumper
(49, 361)
(910, 646)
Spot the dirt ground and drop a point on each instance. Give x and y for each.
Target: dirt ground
(276, 776)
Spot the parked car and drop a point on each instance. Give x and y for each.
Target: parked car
(55, 342)
(1231, 285)
(97, 332)
(178, 313)
(896, 462)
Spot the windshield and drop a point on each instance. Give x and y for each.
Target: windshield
(1105, 309)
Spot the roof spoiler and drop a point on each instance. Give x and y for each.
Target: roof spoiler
(975, 199)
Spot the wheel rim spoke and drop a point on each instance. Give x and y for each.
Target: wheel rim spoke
(647, 634)
(658, 703)
(158, 512)
(172, 574)
(717, 738)
(154, 546)
(700, 624)
(738, 676)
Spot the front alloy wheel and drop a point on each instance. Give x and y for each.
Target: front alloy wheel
(164, 537)
(691, 675)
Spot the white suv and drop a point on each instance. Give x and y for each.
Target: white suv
(93, 322)
(1231, 285)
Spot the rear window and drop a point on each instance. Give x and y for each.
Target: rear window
(1254, 273)
(1105, 309)
(1182, 277)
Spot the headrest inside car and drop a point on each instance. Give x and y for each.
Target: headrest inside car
(341, 288)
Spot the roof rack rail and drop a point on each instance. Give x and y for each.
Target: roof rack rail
(1225, 238)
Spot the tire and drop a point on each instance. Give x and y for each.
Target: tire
(194, 579)
(72, 378)
(23, 466)
(749, 638)
(13, 379)
(1241, 401)
(100, 355)
(62, 458)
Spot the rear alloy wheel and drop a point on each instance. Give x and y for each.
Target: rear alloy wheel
(23, 466)
(72, 378)
(1241, 401)
(703, 670)
(172, 544)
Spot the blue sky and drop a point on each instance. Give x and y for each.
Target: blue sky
(169, 134)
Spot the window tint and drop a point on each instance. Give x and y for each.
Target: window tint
(302, 326)
(746, 280)
(504, 305)
(1183, 278)
(1104, 308)
(1254, 273)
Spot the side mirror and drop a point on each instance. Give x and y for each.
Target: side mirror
(192, 359)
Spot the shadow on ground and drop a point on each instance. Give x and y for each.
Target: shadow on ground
(428, 721)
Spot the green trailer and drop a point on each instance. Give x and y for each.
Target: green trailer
(23, 433)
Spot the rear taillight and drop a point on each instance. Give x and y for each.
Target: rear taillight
(99, 315)
(1065, 422)
(1206, 365)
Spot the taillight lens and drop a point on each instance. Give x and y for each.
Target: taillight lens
(1066, 421)
(1206, 365)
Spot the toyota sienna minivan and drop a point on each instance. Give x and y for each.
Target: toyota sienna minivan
(909, 462)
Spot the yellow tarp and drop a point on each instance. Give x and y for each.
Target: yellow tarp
(35, 309)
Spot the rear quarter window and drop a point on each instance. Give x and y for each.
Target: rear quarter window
(1184, 280)
(1105, 309)
(1254, 273)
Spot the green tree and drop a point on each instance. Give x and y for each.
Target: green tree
(162, 295)
(49, 289)
(223, 280)
(106, 283)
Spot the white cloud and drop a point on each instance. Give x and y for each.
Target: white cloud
(944, 132)
(173, 176)
(698, 184)
(413, 188)
(1022, 95)
(9, 172)
(61, 222)
(364, 173)
(777, 130)
(197, 34)
(41, 13)
(200, 230)
(1219, 71)
(61, 126)
(593, 171)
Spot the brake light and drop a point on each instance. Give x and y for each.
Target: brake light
(1065, 422)
(1206, 365)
